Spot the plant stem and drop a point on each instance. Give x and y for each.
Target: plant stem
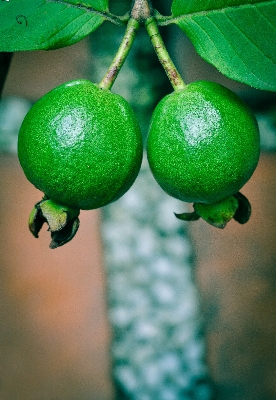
(121, 55)
(163, 55)
(141, 10)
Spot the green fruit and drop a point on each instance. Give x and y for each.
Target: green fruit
(203, 143)
(81, 145)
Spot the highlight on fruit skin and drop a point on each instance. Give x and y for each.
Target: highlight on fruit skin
(203, 146)
(82, 147)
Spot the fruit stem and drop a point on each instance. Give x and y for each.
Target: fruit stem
(163, 55)
(122, 53)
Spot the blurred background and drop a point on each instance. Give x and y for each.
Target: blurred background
(139, 305)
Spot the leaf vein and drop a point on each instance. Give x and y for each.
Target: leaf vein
(247, 38)
(175, 19)
(233, 49)
(207, 34)
(56, 33)
(106, 15)
(264, 16)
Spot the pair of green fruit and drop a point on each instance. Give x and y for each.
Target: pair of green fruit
(81, 145)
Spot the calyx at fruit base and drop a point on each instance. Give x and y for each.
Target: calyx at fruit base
(63, 221)
(218, 214)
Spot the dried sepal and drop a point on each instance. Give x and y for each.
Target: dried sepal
(63, 221)
(220, 213)
(192, 216)
(243, 212)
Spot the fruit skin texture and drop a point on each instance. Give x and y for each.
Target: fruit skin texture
(81, 145)
(203, 143)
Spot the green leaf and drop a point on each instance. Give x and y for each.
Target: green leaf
(237, 36)
(47, 24)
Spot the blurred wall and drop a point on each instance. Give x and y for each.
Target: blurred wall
(54, 334)
(236, 267)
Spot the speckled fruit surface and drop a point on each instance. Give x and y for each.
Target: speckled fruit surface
(203, 143)
(81, 145)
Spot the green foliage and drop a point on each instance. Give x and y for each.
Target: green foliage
(237, 36)
(48, 24)
(180, 7)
